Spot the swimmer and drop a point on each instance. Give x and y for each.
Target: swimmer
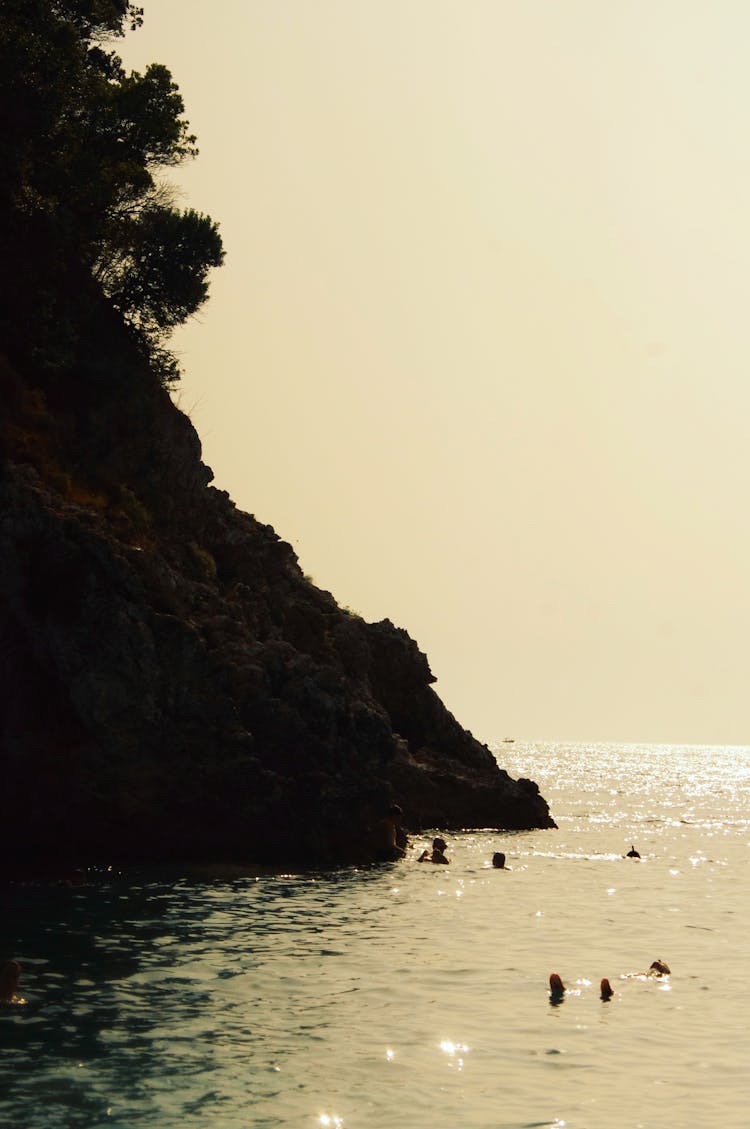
(438, 852)
(395, 815)
(606, 990)
(498, 861)
(388, 836)
(556, 989)
(656, 970)
(632, 853)
(10, 974)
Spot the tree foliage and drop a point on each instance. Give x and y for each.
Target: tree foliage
(82, 144)
(158, 278)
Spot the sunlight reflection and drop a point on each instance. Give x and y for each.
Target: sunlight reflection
(452, 1048)
(455, 1051)
(390, 1055)
(330, 1121)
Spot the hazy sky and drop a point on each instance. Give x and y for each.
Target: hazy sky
(480, 348)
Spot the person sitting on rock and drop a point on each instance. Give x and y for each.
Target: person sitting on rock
(10, 974)
(438, 852)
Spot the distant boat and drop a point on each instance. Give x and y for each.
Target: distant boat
(508, 740)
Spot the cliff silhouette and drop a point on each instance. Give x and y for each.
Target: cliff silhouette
(173, 687)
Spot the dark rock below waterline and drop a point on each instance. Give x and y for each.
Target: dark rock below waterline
(173, 686)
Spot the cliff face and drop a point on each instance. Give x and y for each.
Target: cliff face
(173, 686)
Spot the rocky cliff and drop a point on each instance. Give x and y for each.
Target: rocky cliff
(173, 686)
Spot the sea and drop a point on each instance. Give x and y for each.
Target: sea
(408, 995)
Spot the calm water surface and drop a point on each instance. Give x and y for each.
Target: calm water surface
(411, 996)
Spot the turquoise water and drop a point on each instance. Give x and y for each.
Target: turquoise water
(410, 995)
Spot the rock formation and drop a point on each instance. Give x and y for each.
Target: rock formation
(173, 686)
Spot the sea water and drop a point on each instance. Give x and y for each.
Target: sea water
(411, 996)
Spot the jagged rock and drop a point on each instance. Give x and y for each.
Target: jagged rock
(173, 686)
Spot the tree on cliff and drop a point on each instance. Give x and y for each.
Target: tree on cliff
(82, 143)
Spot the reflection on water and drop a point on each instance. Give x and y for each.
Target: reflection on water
(403, 996)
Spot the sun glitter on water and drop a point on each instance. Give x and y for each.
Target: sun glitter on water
(455, 1051)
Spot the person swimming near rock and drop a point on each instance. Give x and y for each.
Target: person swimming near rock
(438, 852)
(498, 861)
(632, 853)
(606, 991)
(10, 975)
(389, 837)
(556, 989)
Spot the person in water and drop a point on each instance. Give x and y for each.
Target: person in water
(10, 975)
(390, 839)
(438, 852)
(498, 861)
(556, 989)
(655, 971)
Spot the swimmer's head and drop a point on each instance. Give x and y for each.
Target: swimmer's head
(439, 844)
(498, 860)
(606, 990)
(556, 986)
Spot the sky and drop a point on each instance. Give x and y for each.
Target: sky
(480, 347)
